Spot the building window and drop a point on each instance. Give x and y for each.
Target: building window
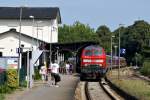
(1, 54)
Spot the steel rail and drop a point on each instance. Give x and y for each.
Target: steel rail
(88, 97)
(108, 92)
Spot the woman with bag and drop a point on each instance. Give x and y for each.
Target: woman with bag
(55, 73)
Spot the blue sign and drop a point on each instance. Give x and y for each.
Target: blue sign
(123, 51)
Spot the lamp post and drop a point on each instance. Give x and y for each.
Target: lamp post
(112, 36)
(51, 35)
(42, 44)
(116, 58)
(115, 52)
(20, 49)
(50, 47)
(58, 55)
(38, 22)
(29, 75)
(120, 25)
(32, 17)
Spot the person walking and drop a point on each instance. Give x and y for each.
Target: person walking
(55, 74)
(67, 67)
(43, 72)
(71, 68)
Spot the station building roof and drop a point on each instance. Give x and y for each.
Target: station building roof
(38, 12)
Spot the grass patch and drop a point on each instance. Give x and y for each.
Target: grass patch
(2, 97)
(134, 86)
(145, 70)
(137, 88)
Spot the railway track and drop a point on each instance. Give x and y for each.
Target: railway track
(108, 90)
(100, 91)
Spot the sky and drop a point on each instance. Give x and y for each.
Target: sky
(93, 12)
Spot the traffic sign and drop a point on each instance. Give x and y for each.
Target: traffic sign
(123, 51)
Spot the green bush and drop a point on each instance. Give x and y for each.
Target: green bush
(37, 76)
(2, 77)
(5, 89)
(145, 70)
(2, 97)
(23, 83)
(12, 78)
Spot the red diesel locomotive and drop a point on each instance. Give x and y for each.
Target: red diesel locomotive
(92, 62)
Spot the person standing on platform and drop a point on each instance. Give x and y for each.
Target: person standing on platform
(71, 68)
(43, 72)
(67, 67)
(55, 74)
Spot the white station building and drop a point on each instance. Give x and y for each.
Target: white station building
(28, 25)
(28, 28)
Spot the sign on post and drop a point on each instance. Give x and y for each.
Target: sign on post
(123, 51)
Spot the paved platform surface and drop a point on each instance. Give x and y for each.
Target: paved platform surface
(45, 92)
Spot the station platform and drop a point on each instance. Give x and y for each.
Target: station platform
(43, 91)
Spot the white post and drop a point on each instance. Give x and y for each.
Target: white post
(115, 54)
(119, 51)
(28, 66)
(50, 44)
(38, 22)
(31, 73)
(111, 51)
(20, 56)
(32, 17)
(119, 55)
(57, 57)
(37, 35)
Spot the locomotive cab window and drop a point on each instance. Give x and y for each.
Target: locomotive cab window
(97, 52)
(87, 53)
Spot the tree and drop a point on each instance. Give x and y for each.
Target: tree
(76, 33)
(104, 34)
(133, 39)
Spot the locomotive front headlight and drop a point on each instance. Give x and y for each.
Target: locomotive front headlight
(86, 65)
(100, 60)
(86, 60)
